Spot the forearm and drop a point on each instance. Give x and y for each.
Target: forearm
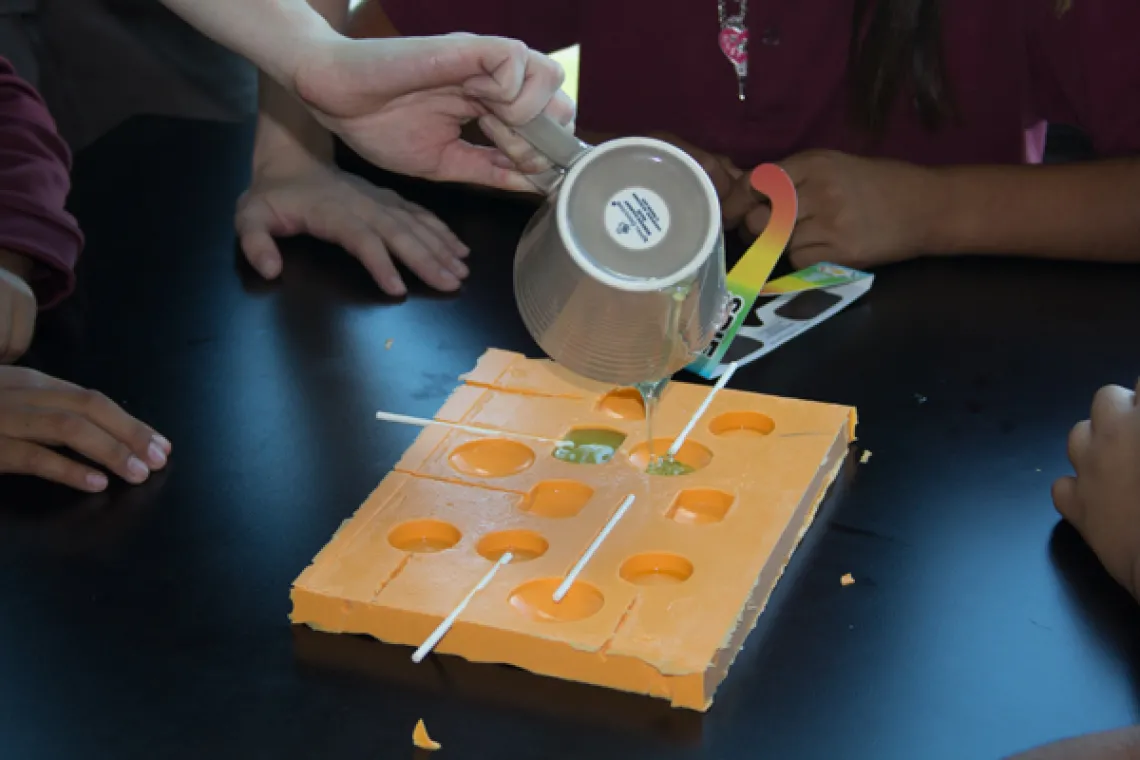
(286, 129)
(1121, 744)
(275, 35)
(1075, 211)
(35, 181)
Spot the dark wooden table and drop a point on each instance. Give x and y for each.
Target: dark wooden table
(152, 622)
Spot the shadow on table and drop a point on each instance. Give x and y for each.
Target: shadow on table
(1098, 597)
(65, 522)
(499, 685)
(328, 272)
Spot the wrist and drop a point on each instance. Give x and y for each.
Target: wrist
(308, 36)
(937, 216)
(288, 136)
(18, 264)
(285, 161)
(278, 150)
(318, 79)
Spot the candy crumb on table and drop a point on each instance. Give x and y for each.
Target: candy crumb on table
(421, 739)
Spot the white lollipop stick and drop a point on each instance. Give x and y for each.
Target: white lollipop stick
(562, 589)
(700, 411)
(424, 422)
(449, 621)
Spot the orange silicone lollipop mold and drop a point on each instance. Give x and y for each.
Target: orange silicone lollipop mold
(424, 536)
(656, 569)
(692, 454)
(535, 600)
(671, 592)
(700, 506)
(742, 423)
(492, 458)
(557, 498)
(524, 545)
(623, 404)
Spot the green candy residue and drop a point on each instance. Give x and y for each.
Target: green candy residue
(589, 446)
(584, 454)
(666, 465)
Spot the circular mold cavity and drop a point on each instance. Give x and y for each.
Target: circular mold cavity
(535, 600)
(742, 424)
(525, 545)
(692, 455)
(491, 458)
(700, 506)
(557, 498)
(623, 404)
(589, 445)
(656, 569)
(424, 536)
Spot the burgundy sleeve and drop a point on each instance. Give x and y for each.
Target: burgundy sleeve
(1085, 69)
(545, 26)
(35, 179)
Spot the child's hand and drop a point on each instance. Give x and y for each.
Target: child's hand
(1103, 500)
(372, 223)
(18, 306)
(854, 211)
(37, 411)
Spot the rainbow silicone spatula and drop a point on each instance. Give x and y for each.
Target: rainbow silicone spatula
(751, 273)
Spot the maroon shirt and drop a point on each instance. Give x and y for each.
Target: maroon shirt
(34, 183)
(1013, 66)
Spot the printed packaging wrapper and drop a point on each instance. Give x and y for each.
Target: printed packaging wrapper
(783, 309)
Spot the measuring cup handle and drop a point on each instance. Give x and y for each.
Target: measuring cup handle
(772, 181)
(552, 140)
(544, 181)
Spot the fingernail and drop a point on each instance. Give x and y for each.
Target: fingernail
(137, 469)
(156, 455)
(162, 443)
(96, 481)
(268, 267)
(396, 286)
(447, 279)
(459, 268)
(462, 251)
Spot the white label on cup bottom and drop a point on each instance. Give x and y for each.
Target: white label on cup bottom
(637, 218)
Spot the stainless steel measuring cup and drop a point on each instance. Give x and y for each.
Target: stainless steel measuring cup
(620, 276)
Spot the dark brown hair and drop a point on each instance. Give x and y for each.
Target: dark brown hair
(896, 49)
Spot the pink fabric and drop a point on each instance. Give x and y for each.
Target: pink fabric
(35, 179)
(1013, 66)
